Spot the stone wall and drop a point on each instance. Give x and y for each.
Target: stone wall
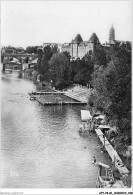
(82, 49)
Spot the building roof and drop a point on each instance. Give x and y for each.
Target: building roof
(94, 38)
(78, 39)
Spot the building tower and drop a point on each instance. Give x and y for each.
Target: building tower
(93, 43)
(112, 36)
(78, 39)
(72, 42)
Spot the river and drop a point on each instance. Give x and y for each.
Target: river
(40, 145)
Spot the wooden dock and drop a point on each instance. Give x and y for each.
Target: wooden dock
(45, 103)
(46, 93)
(113, 154)
(76, 98)
(43, 97)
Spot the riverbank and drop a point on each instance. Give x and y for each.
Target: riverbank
(116, 160)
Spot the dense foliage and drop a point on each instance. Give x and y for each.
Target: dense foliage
(113, 91)
(31, 49)
(60, 70)
(44, 56)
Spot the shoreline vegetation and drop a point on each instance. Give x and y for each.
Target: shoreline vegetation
(108, 74)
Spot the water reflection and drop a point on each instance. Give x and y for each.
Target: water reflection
(41, 147)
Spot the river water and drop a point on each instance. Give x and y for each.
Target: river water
(40, 145)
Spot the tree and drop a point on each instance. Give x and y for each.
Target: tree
(43, 61)
(54, 49)
(39, 65)
(60, 71)
(82, 70)
(31, 49)
(99, 57)
(113, 86)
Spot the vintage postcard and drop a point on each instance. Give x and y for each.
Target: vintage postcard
(66, 97)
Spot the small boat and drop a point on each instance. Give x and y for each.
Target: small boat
(33, 97)
(106, 179)
(83, 129)
(85, 115)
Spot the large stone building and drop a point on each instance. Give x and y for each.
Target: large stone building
(78, 48)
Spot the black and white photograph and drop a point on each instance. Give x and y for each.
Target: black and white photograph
(66, 71)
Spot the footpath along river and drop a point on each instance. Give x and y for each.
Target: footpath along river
(40, 145)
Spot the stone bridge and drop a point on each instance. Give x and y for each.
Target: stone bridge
(23, 58)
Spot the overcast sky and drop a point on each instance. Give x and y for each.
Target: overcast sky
(25, 23)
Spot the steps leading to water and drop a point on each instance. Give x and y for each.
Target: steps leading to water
(81, 100)
(79, 93)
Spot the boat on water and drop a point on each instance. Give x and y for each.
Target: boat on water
(32, 97)
(108, 177)
(87, 125)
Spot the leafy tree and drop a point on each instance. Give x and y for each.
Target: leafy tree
(60, 70)
(43, 61)
(82, 70)
(54, 49)
(39, 65)
(67, 54)
(113, 86)
(31, 49)
(99, 57)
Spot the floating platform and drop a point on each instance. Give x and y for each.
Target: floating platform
(46, 93)
(55, 98)
(33, 98)
(45, 103)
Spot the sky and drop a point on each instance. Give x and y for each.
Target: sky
(31, 23)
